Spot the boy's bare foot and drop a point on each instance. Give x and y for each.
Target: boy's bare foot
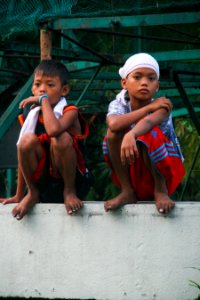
(163, 203)
(10, 200)
(122, 199)
(21, 209)
(72, 203)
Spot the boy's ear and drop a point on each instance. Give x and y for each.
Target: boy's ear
(123, 83)
(158, 85)
(65, 89)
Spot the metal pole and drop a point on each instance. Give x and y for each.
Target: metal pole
(186, 101)
(88, 85)
(10, 181)
(189, 173)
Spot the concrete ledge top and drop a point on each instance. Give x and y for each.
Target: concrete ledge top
(97, 208)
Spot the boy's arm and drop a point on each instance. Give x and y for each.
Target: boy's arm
(121, 122)
(55, 126)
(19, 193)
(147, 123)
(129, 149)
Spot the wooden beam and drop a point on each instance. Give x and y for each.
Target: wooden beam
(45, 44)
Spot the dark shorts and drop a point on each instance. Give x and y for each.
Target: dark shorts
(50, 184)
(51, 190)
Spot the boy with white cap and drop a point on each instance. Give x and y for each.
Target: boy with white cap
(141, 146)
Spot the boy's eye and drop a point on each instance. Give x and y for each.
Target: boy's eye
(136, 77)
(152, 78)
(50, 84)
(36, 84)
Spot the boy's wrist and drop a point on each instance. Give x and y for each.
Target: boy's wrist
(149, 108)
(133, 133)
(41, 98)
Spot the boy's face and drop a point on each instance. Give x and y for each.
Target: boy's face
(51, 86)
(141, 84)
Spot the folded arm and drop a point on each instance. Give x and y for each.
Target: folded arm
(129, 150)
(121, 122)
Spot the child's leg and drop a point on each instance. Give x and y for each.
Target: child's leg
(29, 153)
(64, 160)
(127, 195)
(163, 203)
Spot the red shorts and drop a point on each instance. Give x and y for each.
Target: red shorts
(164, 158)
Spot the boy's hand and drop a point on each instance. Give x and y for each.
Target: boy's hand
(31, 99)
(161, 102)
(129, 150)
(10, 200)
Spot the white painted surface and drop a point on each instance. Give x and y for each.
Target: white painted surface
(131, 254)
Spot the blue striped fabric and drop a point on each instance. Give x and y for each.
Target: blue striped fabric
(104, 148)
(166, 149)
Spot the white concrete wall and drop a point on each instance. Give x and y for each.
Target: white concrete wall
(131, 254)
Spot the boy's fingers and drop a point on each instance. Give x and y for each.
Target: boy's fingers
(8, 201)
(128, 155)
(21, 104)
(5, 201)
(137, 154)
(132, 156)
(123, 160)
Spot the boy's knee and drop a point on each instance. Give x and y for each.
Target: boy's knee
(113, 136)
(27, 142)
(62, 142)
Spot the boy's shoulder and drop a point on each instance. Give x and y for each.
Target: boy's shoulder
(83, 122)
(69, 107)
(120, 105)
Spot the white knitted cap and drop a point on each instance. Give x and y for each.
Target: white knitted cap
(140, 60)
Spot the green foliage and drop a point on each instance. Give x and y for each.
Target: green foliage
(189, 140)
(103, 188)
(195, 284)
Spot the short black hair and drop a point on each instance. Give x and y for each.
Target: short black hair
(53, 68)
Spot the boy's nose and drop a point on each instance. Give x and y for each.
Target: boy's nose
(144, 81)
(42, 88)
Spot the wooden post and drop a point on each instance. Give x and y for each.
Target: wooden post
(45, 44)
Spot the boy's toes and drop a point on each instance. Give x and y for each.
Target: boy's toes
(162, 209)
(107, 207)
(69, 210)
(72, 209)
(79, 205)
(169, 207)
(73, 204)
(165, 208)
(18, 214)
(15, 212)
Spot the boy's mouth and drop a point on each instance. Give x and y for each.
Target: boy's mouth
(144, 91)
